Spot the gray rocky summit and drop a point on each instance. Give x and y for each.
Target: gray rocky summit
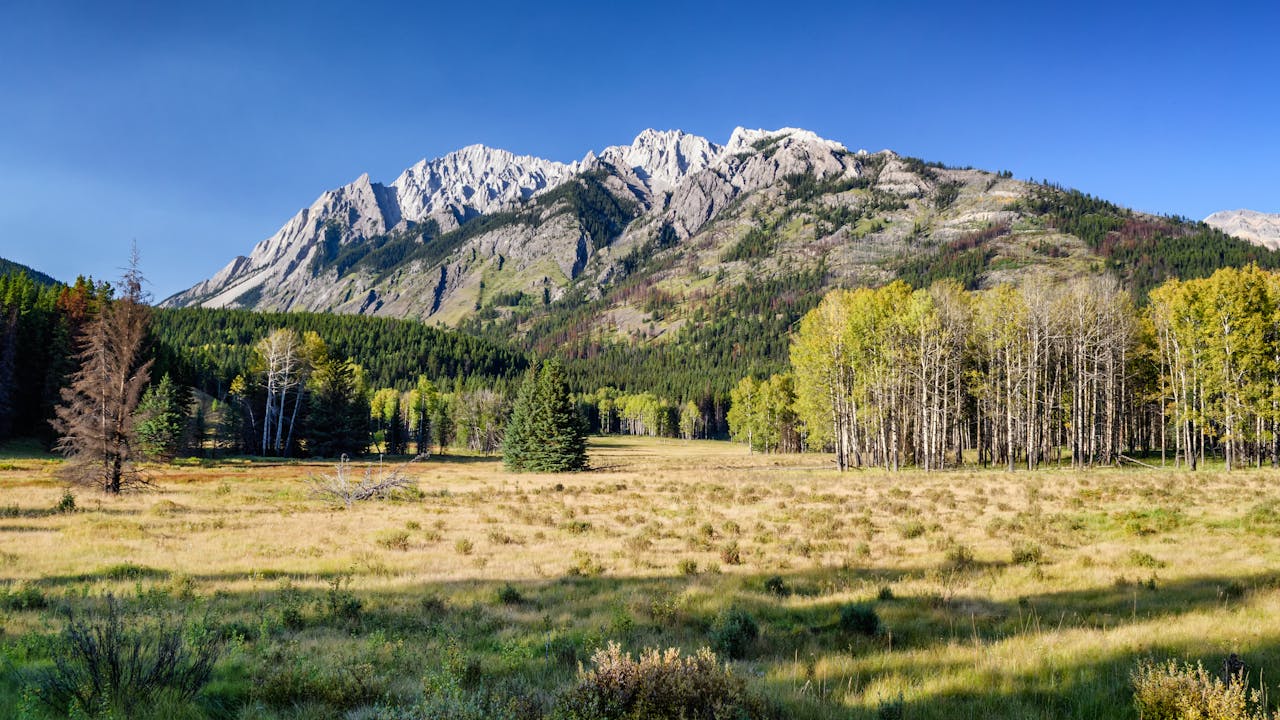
(1256, 227)
(670, 176)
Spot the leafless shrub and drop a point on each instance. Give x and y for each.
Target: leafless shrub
(341, 485)
(108, 658)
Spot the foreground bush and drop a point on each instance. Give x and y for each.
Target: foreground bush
(859, 618)
(734, 633)
(660, 685)
(1173, 691)
(107, 659)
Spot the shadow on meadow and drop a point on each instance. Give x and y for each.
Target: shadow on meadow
(804, 651)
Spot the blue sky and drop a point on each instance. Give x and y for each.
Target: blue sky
(198, 129)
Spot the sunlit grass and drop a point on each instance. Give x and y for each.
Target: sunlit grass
(1015, 595)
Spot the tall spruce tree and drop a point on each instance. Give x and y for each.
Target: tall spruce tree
(96, 418)
(515, 442)
(162, 419)
(338, 411)
(545, 433)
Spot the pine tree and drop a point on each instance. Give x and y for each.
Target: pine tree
(96, 420)
(442, 423)
(338, 412)
(545, 433)
(515, 443)
(558, 440)
(162, 419)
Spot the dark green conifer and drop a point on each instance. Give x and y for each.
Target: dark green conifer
(162, 419)
(545, 433)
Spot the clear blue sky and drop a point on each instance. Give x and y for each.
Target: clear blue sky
(200, 130)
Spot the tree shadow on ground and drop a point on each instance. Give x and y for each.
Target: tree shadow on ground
(545, 628)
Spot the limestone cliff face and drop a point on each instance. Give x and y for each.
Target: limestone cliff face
(472, 181)
(1256, 227)
(453, 235)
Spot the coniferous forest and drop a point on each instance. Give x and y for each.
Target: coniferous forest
(1071, 372)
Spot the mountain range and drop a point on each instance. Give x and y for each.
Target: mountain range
(645, 241)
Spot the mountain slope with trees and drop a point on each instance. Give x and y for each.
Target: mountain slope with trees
(675, 252)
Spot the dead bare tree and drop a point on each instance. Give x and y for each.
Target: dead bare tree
(95, 420)
(342, 486)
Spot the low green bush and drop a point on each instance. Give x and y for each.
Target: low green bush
(859, 618)
(734, 632)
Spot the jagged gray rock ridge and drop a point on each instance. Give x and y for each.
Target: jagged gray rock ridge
(1256, 227)
(483, 231)
(684, 178)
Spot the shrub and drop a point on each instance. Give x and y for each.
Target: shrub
(859, 618)
(585, 564)
(1144, 560)
(107, 659)
(394, 539)
(911, 529)
(291, 602)
(289, 678)
(1151, 522)
(891, 709)
(660, 685)
(960, 555)
(577, 527)
(777, 587)
(734, 632)
(1173, 691)
(730, 554)
(509, 595)
(131, 571)
(66, 504)
(1027, 553)
(1233, 590)
(22, 597)
(339, 602)
(885, 594)
(1264, 517)
(688, 567)
(464, 546)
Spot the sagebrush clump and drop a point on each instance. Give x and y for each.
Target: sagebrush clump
(659, 685)
(1181, 691)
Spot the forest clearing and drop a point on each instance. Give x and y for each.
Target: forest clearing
(967, 593)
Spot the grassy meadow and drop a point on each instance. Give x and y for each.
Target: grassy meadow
(943, 595)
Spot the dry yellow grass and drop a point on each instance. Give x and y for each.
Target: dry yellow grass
(1110, 565)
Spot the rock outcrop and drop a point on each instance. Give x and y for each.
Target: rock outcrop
(1258, 228)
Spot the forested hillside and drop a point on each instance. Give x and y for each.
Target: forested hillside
(8, 267)
(39, 323)
(209, 348)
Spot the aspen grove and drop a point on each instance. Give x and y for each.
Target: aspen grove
(1048, 372)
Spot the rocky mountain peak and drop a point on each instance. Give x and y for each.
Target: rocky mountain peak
(478, 177)
(744, 139)
(662, 158)
(1258, 228)
(686, 180)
